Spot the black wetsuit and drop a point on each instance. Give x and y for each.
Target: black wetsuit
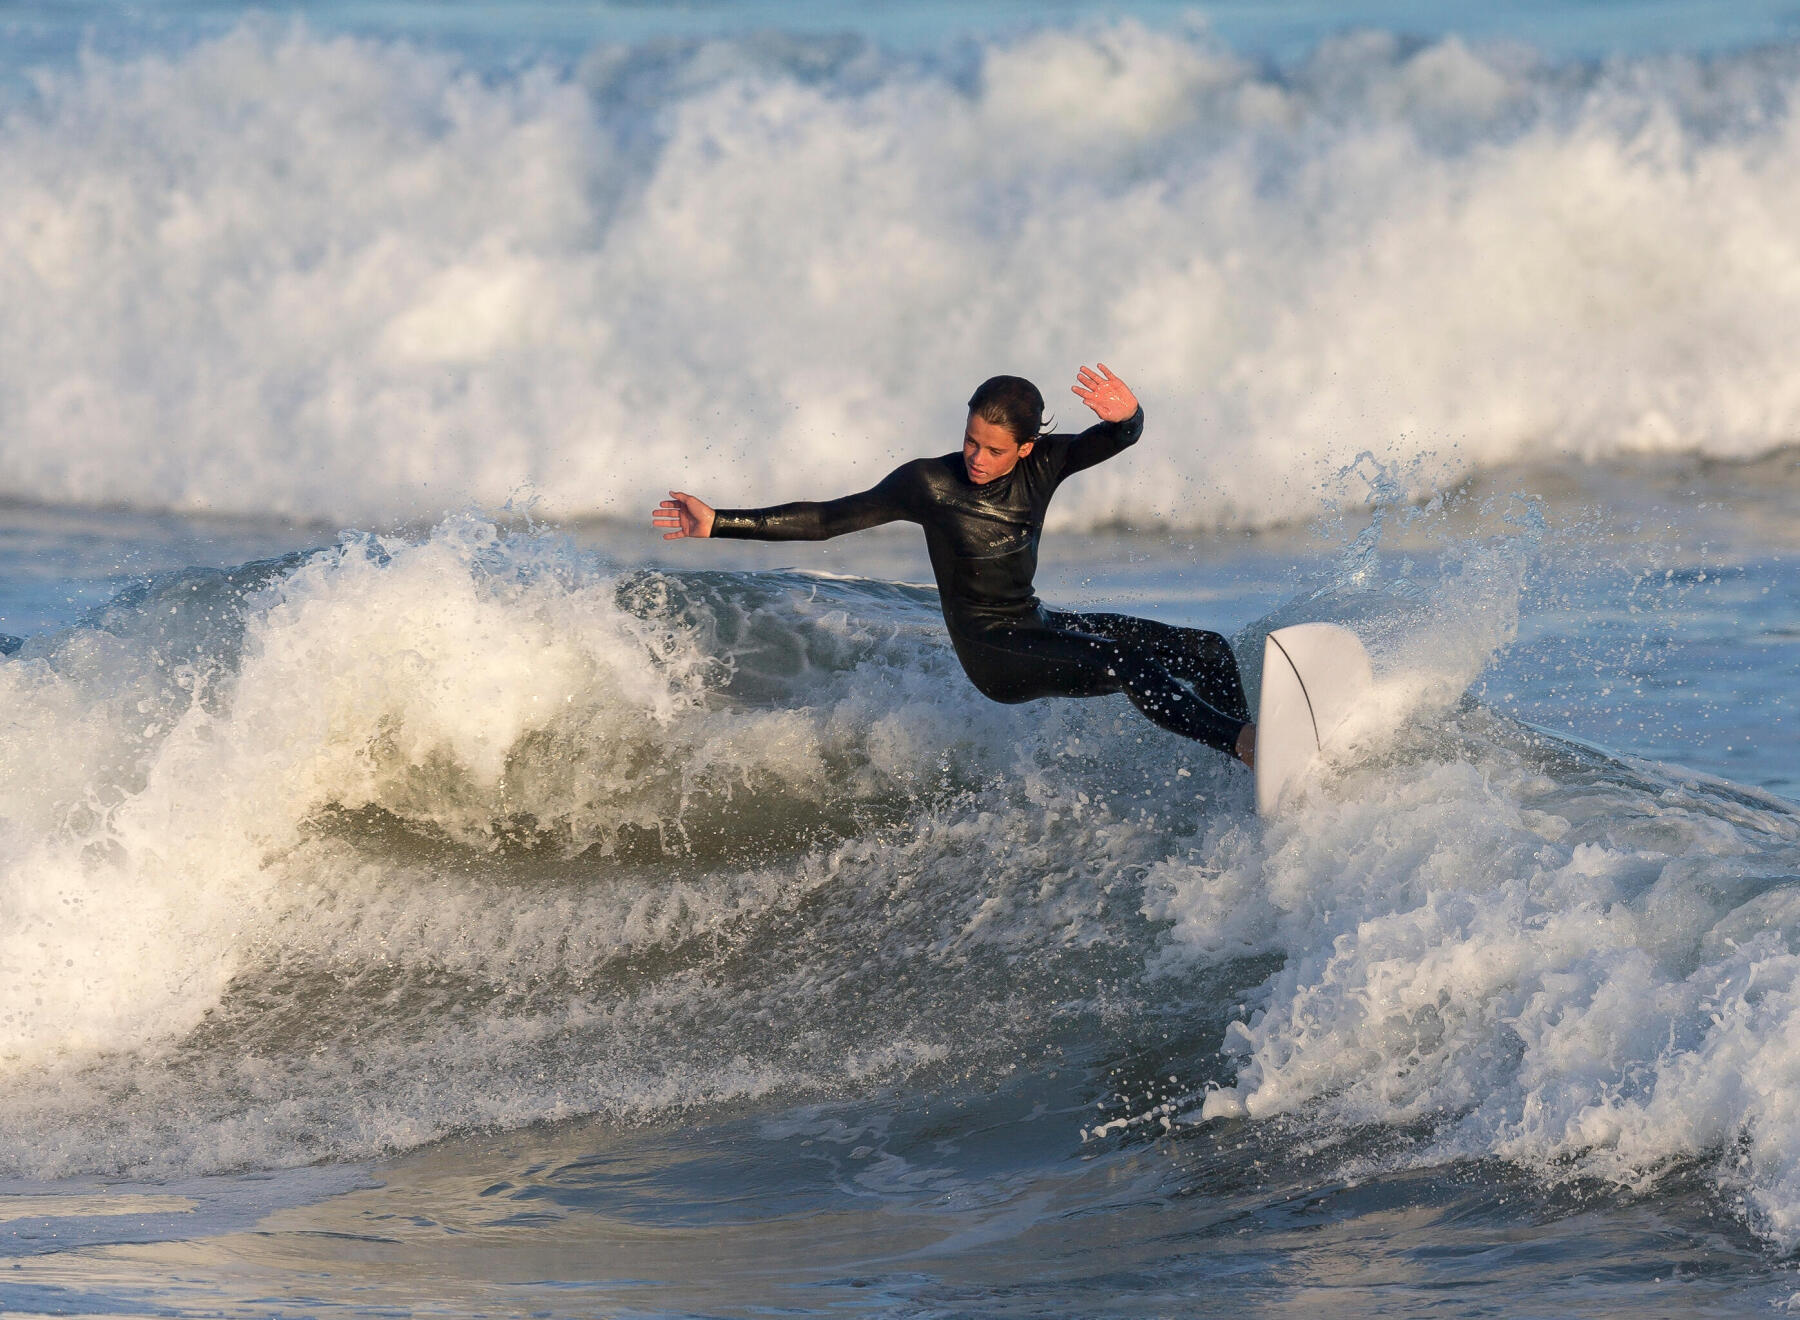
(983, 541)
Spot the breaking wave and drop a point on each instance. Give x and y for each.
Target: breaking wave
(276, 272)
(332, 855)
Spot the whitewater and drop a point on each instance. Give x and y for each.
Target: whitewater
(359, 280)
(423, 889)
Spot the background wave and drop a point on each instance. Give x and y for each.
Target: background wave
(356, 279)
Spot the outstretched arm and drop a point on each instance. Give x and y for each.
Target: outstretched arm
(804, 521)
(1121, 419)
(1109, 397)
(687, 514)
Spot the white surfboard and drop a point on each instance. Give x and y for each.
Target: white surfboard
(1313, 676)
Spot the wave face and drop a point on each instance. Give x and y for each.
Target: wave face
(332, 855)
(281, 273)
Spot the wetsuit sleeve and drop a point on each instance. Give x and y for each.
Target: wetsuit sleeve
(809, 521)
(1100, 442)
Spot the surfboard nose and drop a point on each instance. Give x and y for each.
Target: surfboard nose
(1314, 675)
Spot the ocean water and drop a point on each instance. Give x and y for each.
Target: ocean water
(424, 891)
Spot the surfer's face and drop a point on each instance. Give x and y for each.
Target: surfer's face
(989, 450)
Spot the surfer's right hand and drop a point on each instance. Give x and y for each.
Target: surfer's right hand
(686, 514)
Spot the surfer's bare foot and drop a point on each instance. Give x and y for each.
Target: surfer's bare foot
(1246, 745)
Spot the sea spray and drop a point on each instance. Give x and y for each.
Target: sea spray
(282, 272)
(1502, 942)
(346, 851)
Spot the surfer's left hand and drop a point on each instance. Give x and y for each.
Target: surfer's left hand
(1109, 397)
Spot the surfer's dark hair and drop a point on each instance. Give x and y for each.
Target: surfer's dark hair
(1012, 402)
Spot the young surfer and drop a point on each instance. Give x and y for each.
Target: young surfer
(983, 512)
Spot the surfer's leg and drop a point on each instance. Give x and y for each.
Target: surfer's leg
(1194, 655)
(1164, 701)
(1024, 664)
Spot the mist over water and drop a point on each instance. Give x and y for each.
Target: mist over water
(284, 272)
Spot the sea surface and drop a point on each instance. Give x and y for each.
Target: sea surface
(423, 890)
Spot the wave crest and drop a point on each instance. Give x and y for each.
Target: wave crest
(471, 689)
(349, 278)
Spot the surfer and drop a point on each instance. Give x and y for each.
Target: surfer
(983, 512)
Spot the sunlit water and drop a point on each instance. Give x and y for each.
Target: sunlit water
(502, 911)
(899, 1002)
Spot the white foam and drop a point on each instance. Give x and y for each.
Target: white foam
(1590, 979)
(333, 856)
(1505, 941)
(278, 272)
(467, 686)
